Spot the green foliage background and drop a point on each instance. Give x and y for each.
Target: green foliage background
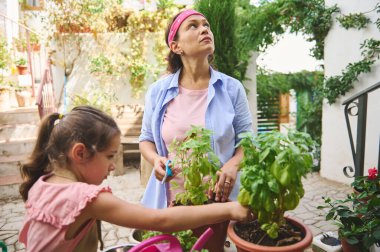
(231, 55)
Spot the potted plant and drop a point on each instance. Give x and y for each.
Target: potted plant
(34, 42)
(271, 183)
(358, 215)
(198, 165)
(22, 68)
(23, 96)
(22, 45)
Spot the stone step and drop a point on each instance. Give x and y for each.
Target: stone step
(12, 167)
(17, 147)
(9, 187)
(20, 115)
(12, 132)
(10, 172)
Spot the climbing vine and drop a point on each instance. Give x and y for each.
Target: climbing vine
(340, 84)
(356, 20)
(272, 18)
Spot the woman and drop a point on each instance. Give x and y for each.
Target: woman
(193, 94)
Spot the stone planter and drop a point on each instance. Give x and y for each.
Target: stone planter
(328, 242)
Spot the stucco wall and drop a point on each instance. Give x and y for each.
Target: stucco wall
(341, 48)
(80, 80)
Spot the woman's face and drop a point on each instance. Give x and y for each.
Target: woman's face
(195, 36)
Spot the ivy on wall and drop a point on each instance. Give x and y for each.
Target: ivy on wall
(340, 84)
(272, 18)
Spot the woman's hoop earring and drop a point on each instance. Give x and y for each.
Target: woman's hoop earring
(181, 53)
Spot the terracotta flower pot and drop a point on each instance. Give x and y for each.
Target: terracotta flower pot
(217, 240)
(348, 247)
(245, 246)
(22, 70)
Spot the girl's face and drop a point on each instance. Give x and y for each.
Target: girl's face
(98, 167)
(195, 36)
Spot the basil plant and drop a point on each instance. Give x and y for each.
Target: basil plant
(199, 164)
(272, 170)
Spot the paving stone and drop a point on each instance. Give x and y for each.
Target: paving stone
(320, 224)
(310, 221)
(110, 243)
(315, 230)
(329, 227)
(123, 233)
(12, 239)
(11, 248)
(110, 235)
(20, 247)
(106, 226)
(305, 216)
(12, 226)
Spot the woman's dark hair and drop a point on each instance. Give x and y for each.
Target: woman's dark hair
(56, 135)
(174, 60)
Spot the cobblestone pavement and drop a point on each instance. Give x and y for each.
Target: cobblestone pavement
(128, 187)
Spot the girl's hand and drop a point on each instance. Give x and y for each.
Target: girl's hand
(226, 178)
(239, 212)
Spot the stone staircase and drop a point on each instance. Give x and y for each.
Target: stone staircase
(18, 132)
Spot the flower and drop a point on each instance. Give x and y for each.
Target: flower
(372, 173)
(368, 185)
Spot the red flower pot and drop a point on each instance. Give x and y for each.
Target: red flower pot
(217, 240)
(348, 247)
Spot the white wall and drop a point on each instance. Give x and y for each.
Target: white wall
(342, 47)
(80, 80)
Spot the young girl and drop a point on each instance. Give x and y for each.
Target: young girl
(73, 155)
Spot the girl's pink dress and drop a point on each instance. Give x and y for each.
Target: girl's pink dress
(50, 209)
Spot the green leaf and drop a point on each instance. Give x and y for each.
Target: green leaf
(263, 155)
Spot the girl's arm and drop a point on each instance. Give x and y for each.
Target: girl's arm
(109, 208)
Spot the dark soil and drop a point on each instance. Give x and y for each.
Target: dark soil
(251, 232)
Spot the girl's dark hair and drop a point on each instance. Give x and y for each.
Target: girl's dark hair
(174, 60)
(83, 124)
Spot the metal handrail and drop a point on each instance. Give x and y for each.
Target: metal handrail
(359, 101)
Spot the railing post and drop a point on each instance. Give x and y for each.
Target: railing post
(358, 154)
(361, 134)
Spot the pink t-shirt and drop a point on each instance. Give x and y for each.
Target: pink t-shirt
(50, 209)
(188, 108)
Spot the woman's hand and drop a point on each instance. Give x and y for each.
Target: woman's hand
(159, 167)
(226, 178)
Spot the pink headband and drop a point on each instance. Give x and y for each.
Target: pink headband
(178, 21)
